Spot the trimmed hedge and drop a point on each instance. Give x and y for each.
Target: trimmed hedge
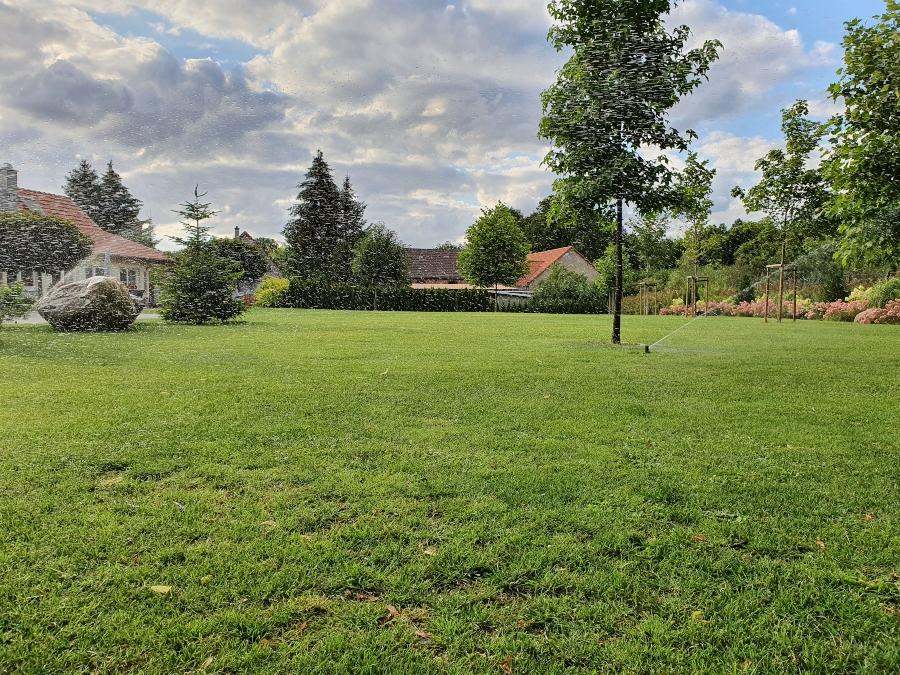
(303, 294)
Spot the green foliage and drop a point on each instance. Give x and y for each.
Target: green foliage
(567, 292)
(250, 257)
(272, 292)
(40, 242)
(14, 303)
(199, 289)
(863, 163)
(379, 259)
(496, 249)
(651, 248)
(305, 294)
(790, 193)
(882, 293)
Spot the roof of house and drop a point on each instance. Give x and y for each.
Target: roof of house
(541, 261)
(432, 264)
(65, 208)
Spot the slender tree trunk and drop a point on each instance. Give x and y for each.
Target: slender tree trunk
(620, 273)
(496, 298)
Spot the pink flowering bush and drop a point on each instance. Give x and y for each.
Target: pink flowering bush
(840, 310)
(890, 315)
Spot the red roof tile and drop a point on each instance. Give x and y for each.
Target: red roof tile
(65, 208)
(540, 262)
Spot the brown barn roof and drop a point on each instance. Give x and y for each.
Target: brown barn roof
(432, 265)
(65, 208)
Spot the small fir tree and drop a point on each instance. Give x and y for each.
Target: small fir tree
(119, 209)
(353, 224)
(200, 287)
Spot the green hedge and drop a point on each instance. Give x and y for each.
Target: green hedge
(312, 295)
(302, 294)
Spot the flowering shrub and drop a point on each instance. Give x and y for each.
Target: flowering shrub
(880, 294)
(839, 310)
(890, 314)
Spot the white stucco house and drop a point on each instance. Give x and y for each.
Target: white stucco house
(113, 256)
(542, 262)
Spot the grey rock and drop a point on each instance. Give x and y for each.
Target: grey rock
(95, 304)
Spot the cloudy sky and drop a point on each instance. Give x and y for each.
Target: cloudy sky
(431, 107)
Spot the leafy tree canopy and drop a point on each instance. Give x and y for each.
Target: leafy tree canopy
(253, 261)
(379, 259)
(35, 241)
(863, 164)
(496, 250)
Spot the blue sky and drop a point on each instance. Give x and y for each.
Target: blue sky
(430, 106)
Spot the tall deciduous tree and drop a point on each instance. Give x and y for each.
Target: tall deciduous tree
(790, 192)
(314, 232)
(864, 162)
(379, 259)
(199, 289)
(496, 250)
(612, 98)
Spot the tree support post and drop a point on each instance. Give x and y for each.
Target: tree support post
(620, 273)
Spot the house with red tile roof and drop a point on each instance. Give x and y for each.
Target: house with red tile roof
(541, 263)
(113, 256)
(437, 268)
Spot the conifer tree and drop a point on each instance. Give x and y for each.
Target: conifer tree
(313, 233)
(352, 227)
(200, 287)
(83, 187)
(120, 210)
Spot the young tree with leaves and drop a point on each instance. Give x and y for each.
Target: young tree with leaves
(314, 233)
(612, 98)
(863, 163)
(199, 289)
(791, 193)
(496, 250)
(379, 258)
(694, 188)
(251, 257)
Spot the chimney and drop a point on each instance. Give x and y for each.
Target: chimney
(9, 189)
(237, 232)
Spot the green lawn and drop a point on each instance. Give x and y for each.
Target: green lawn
(402, 493)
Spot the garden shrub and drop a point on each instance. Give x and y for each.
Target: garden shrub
(566, 292)
(272, 292)
(14, 303)
(889, 314)
(880, 294)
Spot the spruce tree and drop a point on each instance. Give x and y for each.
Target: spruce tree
(352, 227)
(313, 233)
(200, 288)
(83, 187)
(119, 209)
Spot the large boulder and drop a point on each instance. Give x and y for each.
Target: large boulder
(95, 304)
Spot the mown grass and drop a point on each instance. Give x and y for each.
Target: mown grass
(347, 492)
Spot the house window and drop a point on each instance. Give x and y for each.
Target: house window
(28, 278)
(94, 272)
(128, 277)
(11, 276)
